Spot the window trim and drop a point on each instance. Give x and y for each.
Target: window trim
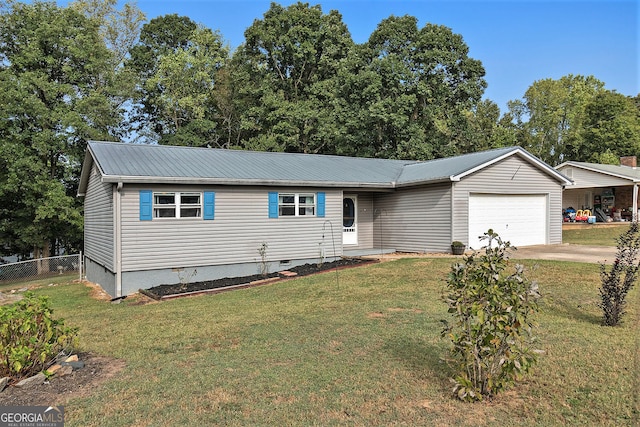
(317, 206)
(178, 206)
(207, 205)
(297, 205)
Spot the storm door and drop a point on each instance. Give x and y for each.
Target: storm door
(349, 220)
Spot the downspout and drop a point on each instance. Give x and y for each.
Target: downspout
(634, 213)
(452, 215)
(118, 239)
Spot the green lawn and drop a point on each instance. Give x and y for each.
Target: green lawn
(52, 279)
(361, 350)
(594, 235)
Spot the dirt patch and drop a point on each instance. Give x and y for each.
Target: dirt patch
(401, 310)
(163, 291)
(59, 390)
(375, 315)
(379, 315)
(97, 292)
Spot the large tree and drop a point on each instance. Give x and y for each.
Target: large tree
(160, 36)
(407, 91)
(56, 91)
(289, 59)
(119, 28)
(185, 80)
(611, 128)
(485, 129)
(551, 114)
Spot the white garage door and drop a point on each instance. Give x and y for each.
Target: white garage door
(519, 219)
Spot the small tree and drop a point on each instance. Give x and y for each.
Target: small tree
(264, 263)
(617, 282)
(493, 321)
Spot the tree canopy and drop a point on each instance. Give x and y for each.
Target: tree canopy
(406, 91)
(59, 87)
(556, 111)
(290, 59)
(576, 118)
(611, 125)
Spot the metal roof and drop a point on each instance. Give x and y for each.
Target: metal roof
(624, 172)
(142, 163)
(453, 168)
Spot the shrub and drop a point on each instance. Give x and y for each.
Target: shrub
(617, 283)
(493, 321)
(30, 338)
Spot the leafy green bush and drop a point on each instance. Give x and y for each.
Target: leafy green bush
(30, 338)
(617, 283)
(493, 321)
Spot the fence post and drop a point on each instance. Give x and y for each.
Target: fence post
(80, 265)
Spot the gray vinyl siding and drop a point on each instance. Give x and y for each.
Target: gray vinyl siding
(589, 179)
(414, 220)
(98, 221)
(365, 221)
(240, 227)
(510, 176)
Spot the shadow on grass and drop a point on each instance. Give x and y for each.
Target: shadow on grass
(574, 312)
(422, 357)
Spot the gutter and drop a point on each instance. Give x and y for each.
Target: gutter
(426, 182)
(373, 186)
(255, 182)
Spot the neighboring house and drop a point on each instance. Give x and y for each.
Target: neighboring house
(611, 188)
(153, 213)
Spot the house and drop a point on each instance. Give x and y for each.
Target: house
(610, 190)
(155, 213)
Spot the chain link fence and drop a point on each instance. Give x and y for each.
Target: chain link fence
(41, 268)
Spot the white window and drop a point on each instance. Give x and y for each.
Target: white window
(296, 204)
(177, 205)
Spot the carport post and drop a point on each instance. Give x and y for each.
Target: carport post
(634, 214)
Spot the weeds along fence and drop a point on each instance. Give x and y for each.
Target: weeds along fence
(41, 268)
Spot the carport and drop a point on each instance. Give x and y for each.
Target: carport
(611, 188)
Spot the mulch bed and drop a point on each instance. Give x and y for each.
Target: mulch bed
(58, 390)
(227, 283)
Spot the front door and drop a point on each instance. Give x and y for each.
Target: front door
(349, 224)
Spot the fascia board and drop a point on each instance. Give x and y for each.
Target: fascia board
(533, 160)
(85, 172)
(424, 182)
(601, 171)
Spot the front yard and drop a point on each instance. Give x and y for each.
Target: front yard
(362, 348)
(593, 234)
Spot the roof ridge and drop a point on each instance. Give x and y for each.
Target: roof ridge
(232, 150)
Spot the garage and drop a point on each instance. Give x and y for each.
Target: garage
(521, 219)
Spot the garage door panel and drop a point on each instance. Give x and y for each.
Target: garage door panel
(519, 219)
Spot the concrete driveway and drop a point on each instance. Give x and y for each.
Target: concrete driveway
(567, 252)
(561, 252)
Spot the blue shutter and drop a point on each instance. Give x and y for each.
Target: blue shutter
(273, 204)
(321, 204)
(146, 205)
(209, 205)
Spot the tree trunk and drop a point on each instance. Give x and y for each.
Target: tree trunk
(42, 255)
